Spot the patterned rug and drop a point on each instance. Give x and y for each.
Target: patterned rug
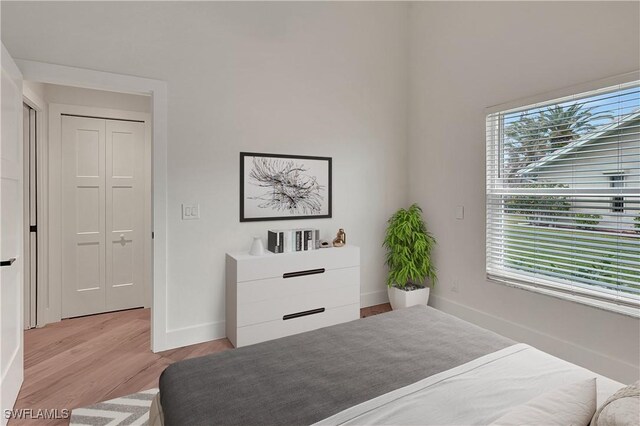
(127, 410)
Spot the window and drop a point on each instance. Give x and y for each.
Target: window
(617, 204)
(563, 197)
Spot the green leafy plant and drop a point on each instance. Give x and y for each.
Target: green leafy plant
(637, 220)
(586, 219)
(409, 246)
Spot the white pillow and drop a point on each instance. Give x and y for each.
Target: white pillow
(570, 405)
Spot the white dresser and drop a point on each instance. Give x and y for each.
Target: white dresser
(276, 295)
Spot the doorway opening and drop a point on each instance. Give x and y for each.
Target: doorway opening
(96, 215)
(156, 90)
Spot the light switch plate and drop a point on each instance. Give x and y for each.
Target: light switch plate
(459, 212)
(190, 211)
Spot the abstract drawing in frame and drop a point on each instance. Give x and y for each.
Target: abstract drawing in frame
(281, 187)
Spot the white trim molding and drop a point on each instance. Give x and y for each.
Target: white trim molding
(195, 334)
(70, 76)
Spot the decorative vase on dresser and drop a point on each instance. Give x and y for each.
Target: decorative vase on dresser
(276, 295)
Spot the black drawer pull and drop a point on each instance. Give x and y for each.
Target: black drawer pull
(8, 262)
(303, 314)
(303, 273)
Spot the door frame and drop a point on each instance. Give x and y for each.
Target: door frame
(56, 111)
(29, 291)
(157, 89)
(40, 107)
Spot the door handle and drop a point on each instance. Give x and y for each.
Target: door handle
(8, 262)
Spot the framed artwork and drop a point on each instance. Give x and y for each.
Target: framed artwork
(282, 187)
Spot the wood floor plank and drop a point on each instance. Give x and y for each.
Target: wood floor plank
(82, 361)
(43, 343)
(86, 356)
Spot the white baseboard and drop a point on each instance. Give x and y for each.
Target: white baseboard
(580, 355)
(193, 335)
(373, 298)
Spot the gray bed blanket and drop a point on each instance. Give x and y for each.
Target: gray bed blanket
(305, 378)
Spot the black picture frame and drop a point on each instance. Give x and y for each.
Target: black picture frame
(249, 203)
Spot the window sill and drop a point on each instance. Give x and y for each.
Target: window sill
(629, 311)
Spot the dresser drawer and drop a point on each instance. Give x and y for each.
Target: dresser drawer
(275, 288)
(261, 332)
(269, 300)
(271, 265)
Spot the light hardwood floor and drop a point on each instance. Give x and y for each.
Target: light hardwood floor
(81, 361)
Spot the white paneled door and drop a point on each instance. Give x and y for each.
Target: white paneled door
(11, 218)
(103, 169)
(125, 214)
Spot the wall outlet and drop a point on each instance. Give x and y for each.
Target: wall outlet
(459, 212)
(190, 211)
(454, 286)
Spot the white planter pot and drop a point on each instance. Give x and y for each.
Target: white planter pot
(403, 299)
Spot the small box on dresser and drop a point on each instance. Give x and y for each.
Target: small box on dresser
(276, 295)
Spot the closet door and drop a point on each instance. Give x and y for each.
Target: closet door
(83, 216)
(103, 215)
(124, 214)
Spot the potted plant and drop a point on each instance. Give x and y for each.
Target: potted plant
(409, 246)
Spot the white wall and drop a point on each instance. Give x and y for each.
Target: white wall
(326, 79)
(56, 94)
(469, 56)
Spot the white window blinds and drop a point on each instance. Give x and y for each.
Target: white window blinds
(563, 196)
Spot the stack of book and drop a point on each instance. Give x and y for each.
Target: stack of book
(291, 240)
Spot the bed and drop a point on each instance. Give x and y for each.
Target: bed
(420, 364)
